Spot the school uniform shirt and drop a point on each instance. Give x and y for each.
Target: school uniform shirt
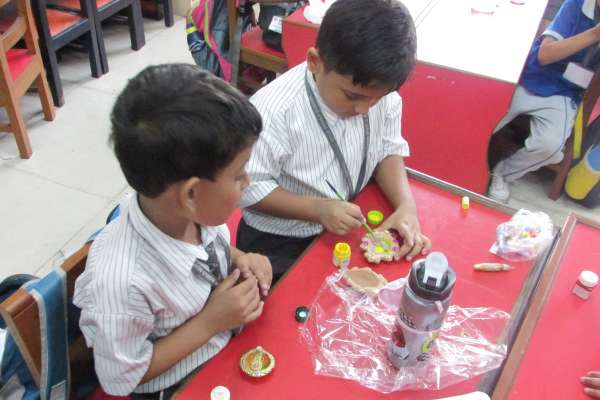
(293, 153)
(140, 284)
(574, 17)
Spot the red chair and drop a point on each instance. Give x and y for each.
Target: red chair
(20, 68)
(105, 9)
(57, 28)
(253, 51)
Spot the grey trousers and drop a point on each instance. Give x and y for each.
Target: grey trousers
(551, 122)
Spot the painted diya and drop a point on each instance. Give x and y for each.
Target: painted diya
(257, 362)
(365, 280)
(380, 246)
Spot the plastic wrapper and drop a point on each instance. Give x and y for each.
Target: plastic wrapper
(348, 333)
(524, 236)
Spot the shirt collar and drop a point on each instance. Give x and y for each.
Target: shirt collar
(330, 116)
(589, 8)
(175, 253)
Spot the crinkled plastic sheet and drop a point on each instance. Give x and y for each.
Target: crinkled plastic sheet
(348, 332)
(524, 236)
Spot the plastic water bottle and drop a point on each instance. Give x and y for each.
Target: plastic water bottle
(423, 306)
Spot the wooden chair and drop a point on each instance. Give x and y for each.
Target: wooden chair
(253, 51)
(22, 316)
(512, 137)
(150, 9)
(57, 28)
(19, 69)
(104, 9)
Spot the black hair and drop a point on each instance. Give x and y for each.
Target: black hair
(176, 121)
(374, 41)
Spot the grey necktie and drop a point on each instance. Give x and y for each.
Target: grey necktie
(213, 274)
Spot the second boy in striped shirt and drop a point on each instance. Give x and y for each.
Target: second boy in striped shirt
(158, 296)
(334, 118)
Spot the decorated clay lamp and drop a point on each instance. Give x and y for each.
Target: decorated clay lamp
(257, 362)
(383, 247)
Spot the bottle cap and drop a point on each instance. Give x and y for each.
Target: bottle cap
(375, 217)
(588, 278)
(436, 265)
(220, 393)
(342, 250)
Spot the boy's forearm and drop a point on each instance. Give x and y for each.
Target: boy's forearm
(552, 50)
(393, 181)
(284, 204)
(169, 350)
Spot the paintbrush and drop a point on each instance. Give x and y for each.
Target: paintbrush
(367, 227)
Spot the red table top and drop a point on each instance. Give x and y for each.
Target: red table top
(565, 344)
(464, 236)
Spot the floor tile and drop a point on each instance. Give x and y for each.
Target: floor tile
(73, 150)
(39, 217)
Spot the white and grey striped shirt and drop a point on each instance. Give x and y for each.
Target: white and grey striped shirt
(140, 284)
(294, 154)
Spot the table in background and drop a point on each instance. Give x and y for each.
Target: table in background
(467, 70)
(559, 340)
(464, 236)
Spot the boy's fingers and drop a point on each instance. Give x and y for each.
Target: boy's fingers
(229, 281)
(426, 245)
(416, 249)
(245, 287)
(591, 382)
(252, 303)
(592, 392)
(593, 374)
(256, 313)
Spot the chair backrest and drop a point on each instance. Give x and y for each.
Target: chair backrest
(22, 27)
(22, 316)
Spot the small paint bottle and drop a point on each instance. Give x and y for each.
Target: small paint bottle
(341, 255)
(587, 281)
(220, 393)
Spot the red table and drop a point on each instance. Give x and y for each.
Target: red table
(468, 67)
(551, 353)
(464, 236)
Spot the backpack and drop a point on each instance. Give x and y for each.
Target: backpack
(208, 36)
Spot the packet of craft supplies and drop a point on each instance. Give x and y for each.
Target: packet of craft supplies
(524, 236)
(349, 332)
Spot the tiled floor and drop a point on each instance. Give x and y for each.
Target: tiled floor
(53, 202)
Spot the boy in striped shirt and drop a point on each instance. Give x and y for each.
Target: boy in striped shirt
(334, 118)
(161, 292)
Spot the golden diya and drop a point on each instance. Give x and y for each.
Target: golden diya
(257, 362)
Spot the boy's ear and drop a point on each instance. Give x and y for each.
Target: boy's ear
(189, 192)
(313, 60)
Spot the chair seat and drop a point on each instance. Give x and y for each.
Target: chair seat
(18, 60)
(252, 40)
(75, 4)
(60, 21)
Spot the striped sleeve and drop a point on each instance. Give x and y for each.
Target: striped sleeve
(264, 166)
(393, 142)
(122, 351)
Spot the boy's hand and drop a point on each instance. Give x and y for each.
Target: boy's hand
(231, 305)
(592, 383)
(339, 217)
(259, 266)
(406, 223)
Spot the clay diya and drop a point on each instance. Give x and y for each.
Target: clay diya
(380, 246)
(365, 280)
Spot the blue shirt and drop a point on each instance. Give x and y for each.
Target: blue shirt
(574, 17)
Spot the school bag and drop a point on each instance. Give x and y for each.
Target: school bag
(208, 36)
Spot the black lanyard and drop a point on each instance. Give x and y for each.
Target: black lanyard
(334, 145)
